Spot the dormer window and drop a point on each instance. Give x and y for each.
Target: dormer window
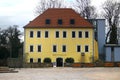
(47, 21)
(72, 21)
(60, 21)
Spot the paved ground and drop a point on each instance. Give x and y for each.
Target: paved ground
(63, 74)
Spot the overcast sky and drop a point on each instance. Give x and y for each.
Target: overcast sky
(20, 12)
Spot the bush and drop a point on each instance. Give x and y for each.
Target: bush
(69, 60)
(47, 60)
(99, 63)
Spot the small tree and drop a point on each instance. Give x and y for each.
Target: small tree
(47, 60)
(69, 60)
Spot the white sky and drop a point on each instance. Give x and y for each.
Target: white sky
(20, 12)
(16, 12)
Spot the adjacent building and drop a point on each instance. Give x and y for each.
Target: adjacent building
(99, 35)
(59, 34)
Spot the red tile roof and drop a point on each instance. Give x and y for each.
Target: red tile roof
(59, 13)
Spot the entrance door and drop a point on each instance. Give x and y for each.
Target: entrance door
(59, 62)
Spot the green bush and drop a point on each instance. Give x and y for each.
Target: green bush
(69, 60)
(47, 60)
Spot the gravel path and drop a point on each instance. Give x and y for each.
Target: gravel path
(63, 74)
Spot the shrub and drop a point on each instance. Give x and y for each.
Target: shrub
(69, 60)
(47, 60)
(99, 63)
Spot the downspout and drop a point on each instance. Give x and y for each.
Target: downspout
(93, 47)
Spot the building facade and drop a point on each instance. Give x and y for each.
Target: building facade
(59, 34)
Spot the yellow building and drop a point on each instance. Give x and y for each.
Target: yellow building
(59, 34)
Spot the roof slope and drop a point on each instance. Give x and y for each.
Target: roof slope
(59, 13)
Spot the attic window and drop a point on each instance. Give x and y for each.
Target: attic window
(72, 21)
(47, 21)
(60, 21)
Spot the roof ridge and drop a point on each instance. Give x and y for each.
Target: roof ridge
(61, 8)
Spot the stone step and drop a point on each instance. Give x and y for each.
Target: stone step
(4, 69)
(7, 70)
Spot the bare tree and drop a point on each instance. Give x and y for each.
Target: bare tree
(89, 12)
(112, 14)
(3, 35)
(84, 8)
(45, 4)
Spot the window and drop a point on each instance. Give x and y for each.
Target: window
(31, 34)
(72, 21)
(38, 34)
(57, 34)
(39, 60)
(112, 49)
(80, 34)
(54, 48)
(64, 34)
(94, 22)
(39, 48)
(78, 48)
(86, 48)
(46, 34)
(86, 34)
(47, 21)
(64, 48)
(31, 60)
(60, 21)
(31, 48)
(73, 34)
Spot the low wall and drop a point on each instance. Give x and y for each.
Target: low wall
(37, 65)
(106, 64)
(15, 62)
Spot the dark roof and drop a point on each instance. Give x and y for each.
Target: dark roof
(59, 13)
(112, 45)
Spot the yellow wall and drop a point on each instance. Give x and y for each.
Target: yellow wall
(95, 50)
(47, 44)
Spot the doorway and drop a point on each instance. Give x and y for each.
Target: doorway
(59, 62)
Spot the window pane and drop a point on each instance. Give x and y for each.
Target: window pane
(46, 34)
(31, 48)
(80, 34)
(86, 48)
(31, 34)
(64, 34)
(73, 34)
(63, 48)
(60, 21)
(57, 34)
(79, 48)
(31, 60)
(54, 48)
(39, 48)
(47, 21)
(72, 21)
(39, 60)
(38, 34)
(86, 34)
